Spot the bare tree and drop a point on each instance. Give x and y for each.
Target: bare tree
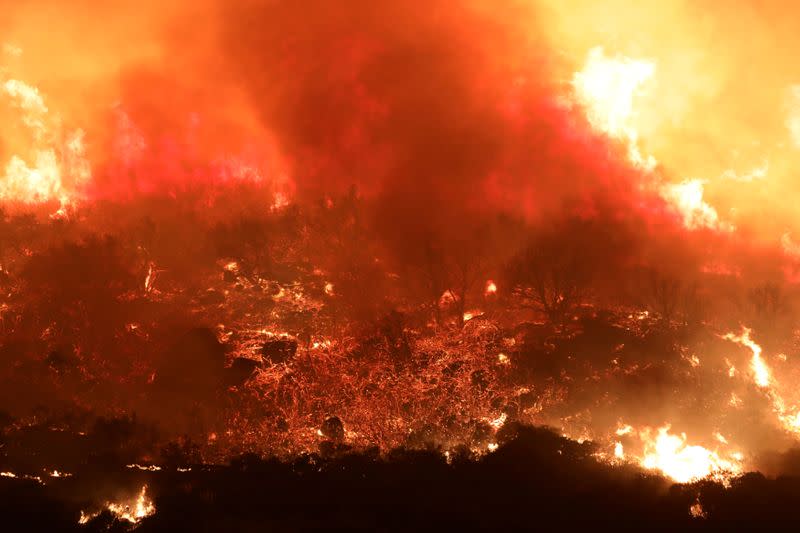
(767, 301)
(663, 296)
(672, 299)
(551, 273)
(768, 309)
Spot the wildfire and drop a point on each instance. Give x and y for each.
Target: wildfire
(619, 450)
(696, 510)
(132, 512)
(469, 315)
(673, 456)
(761, 374)
(150, 278)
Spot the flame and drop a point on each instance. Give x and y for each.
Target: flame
(696, 510)
(133, 512)
(607, 87)
(148, 280)
(624, 430)
(491, 288)
(761, 373)
(788, 416)
(687, 198)
(149, 468)
(682, 462)
(56, 168)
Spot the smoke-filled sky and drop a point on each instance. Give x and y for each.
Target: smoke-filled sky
(439, 108)
(631, 138)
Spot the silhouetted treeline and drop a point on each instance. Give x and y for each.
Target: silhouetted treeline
(536, 480)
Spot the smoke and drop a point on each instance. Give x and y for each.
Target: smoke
(449, 120)
(425, 147)
(454, 103)
(435, 107)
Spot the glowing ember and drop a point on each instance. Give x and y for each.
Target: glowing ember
(498, 422)
(624, 430)
(696, 510)
(619, 450)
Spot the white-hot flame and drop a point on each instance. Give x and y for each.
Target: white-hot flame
(55, 168)
(687, 198)
(607, 87)
(788, 416)
(675, 458)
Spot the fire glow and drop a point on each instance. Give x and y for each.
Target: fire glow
(302, 234)
(132, 512)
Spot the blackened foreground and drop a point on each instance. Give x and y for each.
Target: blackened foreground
(535, 480)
